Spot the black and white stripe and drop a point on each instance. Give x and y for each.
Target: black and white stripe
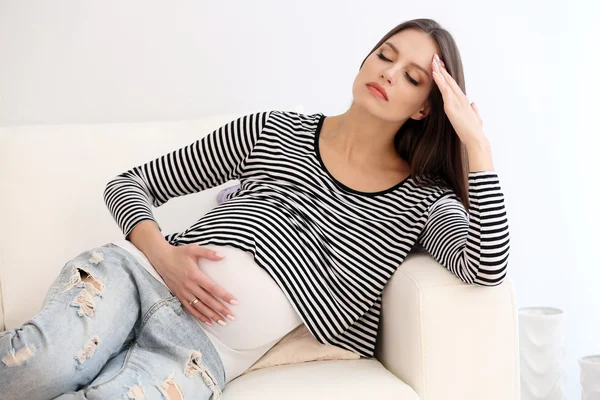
(330, 248)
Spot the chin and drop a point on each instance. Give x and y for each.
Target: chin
(370, 104)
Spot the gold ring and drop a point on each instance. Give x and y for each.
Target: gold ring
(194, 301)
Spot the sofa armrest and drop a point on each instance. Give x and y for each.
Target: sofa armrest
(447, 339)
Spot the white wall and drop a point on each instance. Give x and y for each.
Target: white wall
(531, 66)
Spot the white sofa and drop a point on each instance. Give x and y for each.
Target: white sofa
(440, 339)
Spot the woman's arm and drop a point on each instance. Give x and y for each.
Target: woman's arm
(474, 246)
(147, 237)
(208, 162)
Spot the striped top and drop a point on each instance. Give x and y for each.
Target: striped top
(330, 248)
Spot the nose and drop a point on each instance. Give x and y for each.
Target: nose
(388, 76)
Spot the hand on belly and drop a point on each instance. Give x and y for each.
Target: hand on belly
(263, 313)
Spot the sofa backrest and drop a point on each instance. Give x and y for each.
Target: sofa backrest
(52, 180)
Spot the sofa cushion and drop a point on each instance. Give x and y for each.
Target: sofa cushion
(300, 346)
(338, 379)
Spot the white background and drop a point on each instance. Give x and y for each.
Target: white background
(531, 66)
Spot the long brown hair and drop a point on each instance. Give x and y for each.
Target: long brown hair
(431, 145)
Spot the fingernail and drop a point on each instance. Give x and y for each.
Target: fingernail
(234, 302)
(207, 323)
(219, 254)
(439, 60)
(222, 323)
(231, 317)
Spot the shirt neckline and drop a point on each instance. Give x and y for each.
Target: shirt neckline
(317, 153)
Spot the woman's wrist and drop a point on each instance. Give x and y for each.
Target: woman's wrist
(480, 156)
(149, 240)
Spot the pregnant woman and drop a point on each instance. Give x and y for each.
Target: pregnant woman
(327, 209)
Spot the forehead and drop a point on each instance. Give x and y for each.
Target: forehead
(414, 44)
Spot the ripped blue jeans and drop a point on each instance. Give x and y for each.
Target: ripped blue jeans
(108, 329)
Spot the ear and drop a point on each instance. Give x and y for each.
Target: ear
(422, 112)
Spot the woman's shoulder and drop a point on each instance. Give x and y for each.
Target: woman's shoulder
(435, 187)
(295, 115)
(432, 182)
(293, 120)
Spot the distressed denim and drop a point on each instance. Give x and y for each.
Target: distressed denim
(108, 329)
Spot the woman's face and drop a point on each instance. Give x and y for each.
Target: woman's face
(406, 84)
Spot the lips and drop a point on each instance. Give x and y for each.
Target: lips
(377, 86)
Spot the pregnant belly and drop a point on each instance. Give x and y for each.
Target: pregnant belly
(264, 313)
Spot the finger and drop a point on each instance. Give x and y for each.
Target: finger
(210, 301)
(192, 310)
(209, 312)
(439, 80)
(199, 251)
(216, 310)
(201, 308)
(476, 111)
(449, 80)
(211, 287)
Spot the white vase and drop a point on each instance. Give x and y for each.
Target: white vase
(590, 377)
(542, 353)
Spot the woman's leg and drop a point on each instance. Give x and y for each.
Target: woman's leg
(171, 358)
(88, 316)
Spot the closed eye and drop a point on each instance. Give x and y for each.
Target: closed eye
(411, 80)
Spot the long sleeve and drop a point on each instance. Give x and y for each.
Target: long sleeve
(474, 246)
(213, 160)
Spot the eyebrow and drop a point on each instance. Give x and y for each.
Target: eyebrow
(412, 62)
